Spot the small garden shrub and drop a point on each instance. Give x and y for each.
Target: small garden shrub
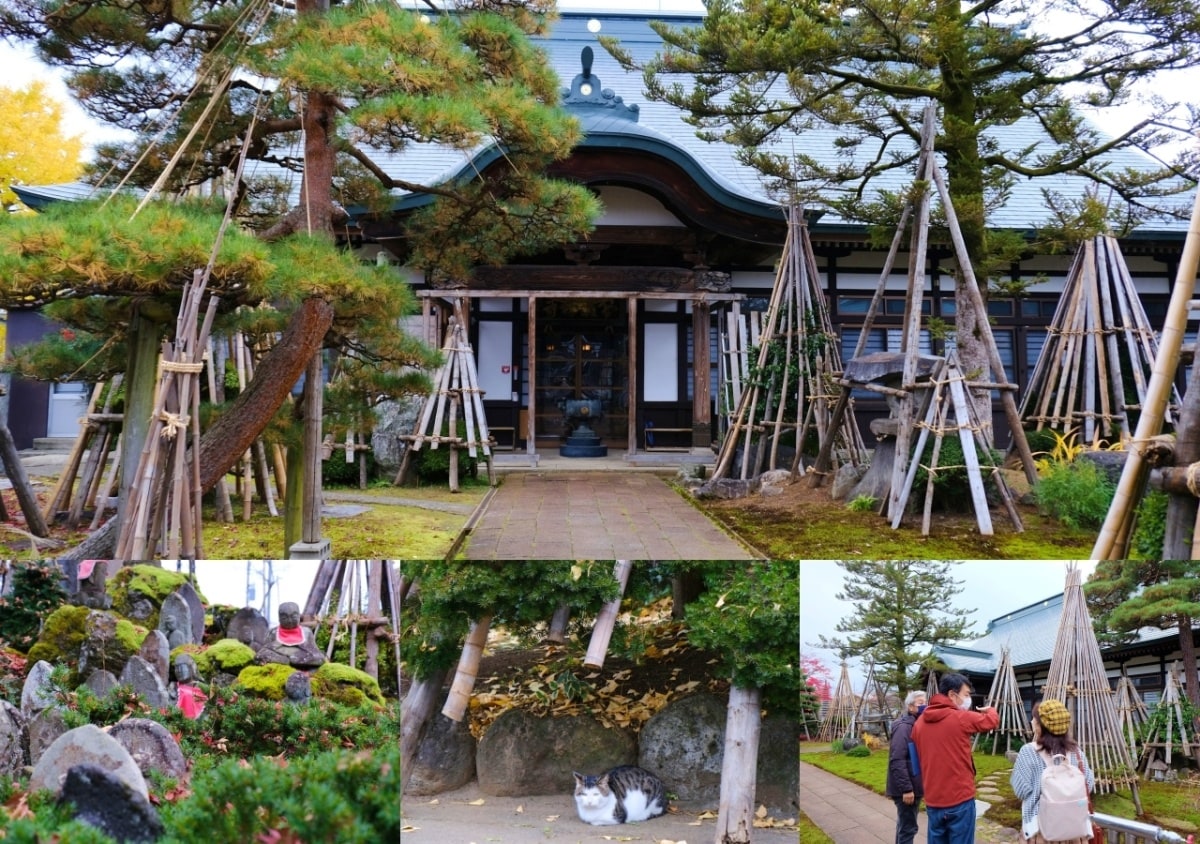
(951, 487)
(1078, 494)
(862, 504)
(337, 472)
(837, 746)
(433, 464)
(859, 751)
(1151, 529)
(36, 591)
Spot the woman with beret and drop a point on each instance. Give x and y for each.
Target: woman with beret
(1051, 737)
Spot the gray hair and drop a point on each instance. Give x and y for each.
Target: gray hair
(911, 700)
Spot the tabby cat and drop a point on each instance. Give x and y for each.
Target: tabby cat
(625, 794)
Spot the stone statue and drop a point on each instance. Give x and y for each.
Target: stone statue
(189, 697)
(289, 643)
(175, 621)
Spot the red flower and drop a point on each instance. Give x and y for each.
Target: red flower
(67, 334)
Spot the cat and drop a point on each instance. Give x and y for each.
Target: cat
(625, 794)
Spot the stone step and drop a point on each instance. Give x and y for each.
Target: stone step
(53, 443)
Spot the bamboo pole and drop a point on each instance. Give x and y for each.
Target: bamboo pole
(1166, 363)
(468, 668)
(606, 618)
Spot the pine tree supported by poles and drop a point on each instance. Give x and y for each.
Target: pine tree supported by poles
(1078, 679)
(839, 718)
(1172, 729)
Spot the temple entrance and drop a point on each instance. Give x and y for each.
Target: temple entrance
(582, 353)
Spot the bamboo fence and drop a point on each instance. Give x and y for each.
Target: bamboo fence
(839, 717)
(797, 318)
(1095, 364)
(1005, 696)
(1078, 679)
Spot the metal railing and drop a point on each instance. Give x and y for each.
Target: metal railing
(1124, 831)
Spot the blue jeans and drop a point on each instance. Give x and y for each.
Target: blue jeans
(906, 820)
(951, 824)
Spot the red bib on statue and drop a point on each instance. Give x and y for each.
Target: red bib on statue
(290, 635)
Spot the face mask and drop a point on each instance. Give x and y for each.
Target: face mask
(920, 709)
(965, 703)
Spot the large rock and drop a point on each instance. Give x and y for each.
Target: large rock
(684, 744)
(109, 804)
(143, 678)
(106, 643)
(38, 692)
(189, 594)
(393, 419)
(85, 745)
(778, 777)
(175, 621)
(249, 627)
(13, 740)
(102, 683)
(445, 759)
(45, 728)
(521, 754)
(156, 650)
(152, 747)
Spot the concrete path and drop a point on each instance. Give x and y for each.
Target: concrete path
(851, 814)
(596, 516)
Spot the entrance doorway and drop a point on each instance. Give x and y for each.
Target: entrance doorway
(582, 353)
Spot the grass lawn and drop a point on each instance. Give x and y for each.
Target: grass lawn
(810, 833)
(871, 771)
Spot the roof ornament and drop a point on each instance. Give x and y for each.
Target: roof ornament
(585, 92)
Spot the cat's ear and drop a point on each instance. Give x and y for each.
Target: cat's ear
(578, 777)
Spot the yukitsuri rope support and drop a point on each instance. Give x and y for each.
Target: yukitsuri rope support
(1078, 679)
(1005, 696)
(839, 717)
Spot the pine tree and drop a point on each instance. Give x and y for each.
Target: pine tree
(902, 609)
(856, 77)
(1125, 596)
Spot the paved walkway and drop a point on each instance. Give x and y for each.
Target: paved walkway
(851, 814)
(596, 516)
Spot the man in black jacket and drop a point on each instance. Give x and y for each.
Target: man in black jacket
(903, 783)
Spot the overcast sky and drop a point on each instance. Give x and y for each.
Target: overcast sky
(225, 582)
(990, 589)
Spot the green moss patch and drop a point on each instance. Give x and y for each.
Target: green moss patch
(61, 636)
(131, 635)
(265, 681)
(346, 685)
(227, 655)
(133, 584)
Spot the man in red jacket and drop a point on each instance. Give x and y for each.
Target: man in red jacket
(943, 738)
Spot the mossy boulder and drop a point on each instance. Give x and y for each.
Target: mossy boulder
(346, 685)
(62, 634)
(265, 681)
(138, 592)
(228, 655)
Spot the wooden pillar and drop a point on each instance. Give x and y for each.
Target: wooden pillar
(531, 413)
(701, 371)
(634, 363)
(427, 327)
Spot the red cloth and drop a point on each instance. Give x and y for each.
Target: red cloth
(943, 738)
(191, 701)
(85, 568)
(290, 635)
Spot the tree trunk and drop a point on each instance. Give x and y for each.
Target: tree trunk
(606, 618)
(558, 625)
(141, 381)
(1181, 507)
(735, 817)
(414, 715)
(468, 667)
(686, 587)
(1187, 647)
(251, 412)
(26, 497)
(293, 493)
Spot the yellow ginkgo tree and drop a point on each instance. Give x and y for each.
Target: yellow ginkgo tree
(34, 146)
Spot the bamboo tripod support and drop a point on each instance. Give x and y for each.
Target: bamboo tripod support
(1077, 677)
(1175, 729)
(165, 496)
(949, 400)
(839, 718)
(354, 596)
(798, 317)
(1093, 350)
(456, 391)
(874, 697)
(1131, 713)
(1005, 696)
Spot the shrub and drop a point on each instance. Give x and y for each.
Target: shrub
(1078, 494)
(862, 504)
(1151, 529)
(433, 464)
(36, 591)
(951, 486)
(337, 472)
(837, 746)
(859, 751)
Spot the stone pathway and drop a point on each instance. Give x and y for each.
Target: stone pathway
(596, 516)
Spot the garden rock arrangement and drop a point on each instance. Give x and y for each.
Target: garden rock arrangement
(521, 754)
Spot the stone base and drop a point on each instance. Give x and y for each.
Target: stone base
(584, 443)
(322, 549)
